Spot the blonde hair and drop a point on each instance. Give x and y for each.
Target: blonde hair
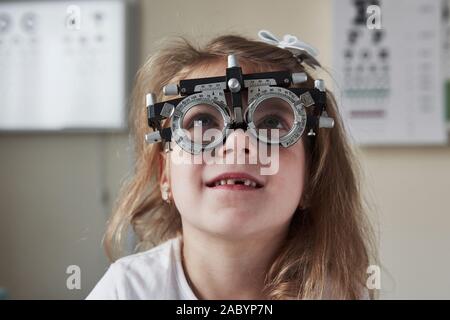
(328, 248)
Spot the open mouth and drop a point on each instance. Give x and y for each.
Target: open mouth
(234, 183)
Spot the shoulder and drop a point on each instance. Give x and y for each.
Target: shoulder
(159, 256)
(138, 276)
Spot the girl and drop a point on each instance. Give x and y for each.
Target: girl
(300, 233)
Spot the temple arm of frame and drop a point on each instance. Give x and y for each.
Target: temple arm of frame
(318, 98)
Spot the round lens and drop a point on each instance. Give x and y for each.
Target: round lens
(203, 123)
(273, 118)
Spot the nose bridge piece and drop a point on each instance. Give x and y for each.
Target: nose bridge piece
(235, 84)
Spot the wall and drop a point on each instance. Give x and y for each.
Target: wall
(53, 209)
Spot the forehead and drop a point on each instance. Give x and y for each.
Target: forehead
(217, 67)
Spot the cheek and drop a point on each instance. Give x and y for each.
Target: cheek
(295, 161)
(185, 180)
(291, 176)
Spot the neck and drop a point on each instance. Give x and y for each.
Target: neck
(223, 268)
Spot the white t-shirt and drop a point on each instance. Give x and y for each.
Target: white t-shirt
(156, 274)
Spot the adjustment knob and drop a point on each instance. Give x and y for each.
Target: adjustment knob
(326, 122)
(319, 84)
(171, 89)
(150, 99)
(299, 77)
(234, 85)
(153, 137)
(232, 61)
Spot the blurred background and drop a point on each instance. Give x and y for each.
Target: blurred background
(66, 71)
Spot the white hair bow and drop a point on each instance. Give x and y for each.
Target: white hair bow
(301, 50)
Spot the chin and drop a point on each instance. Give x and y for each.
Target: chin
(233, 223)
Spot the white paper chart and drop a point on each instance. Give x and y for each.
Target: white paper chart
(446, 56)
(62, 65)
(391, 79)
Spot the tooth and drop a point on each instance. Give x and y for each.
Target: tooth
(247, 182)
(222, 182)
(253, 184)
(230, 181)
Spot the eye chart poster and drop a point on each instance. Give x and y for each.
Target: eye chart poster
(446, 56)
(62, 65)
(391, 76)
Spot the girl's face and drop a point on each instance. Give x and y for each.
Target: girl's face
(237, 211)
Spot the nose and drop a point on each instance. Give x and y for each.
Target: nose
(240, 143)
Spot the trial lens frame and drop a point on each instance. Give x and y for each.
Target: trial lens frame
(258, 85)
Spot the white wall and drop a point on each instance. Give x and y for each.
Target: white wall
(410, 188)
(51, 211)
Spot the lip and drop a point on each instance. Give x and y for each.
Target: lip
(234, 175)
